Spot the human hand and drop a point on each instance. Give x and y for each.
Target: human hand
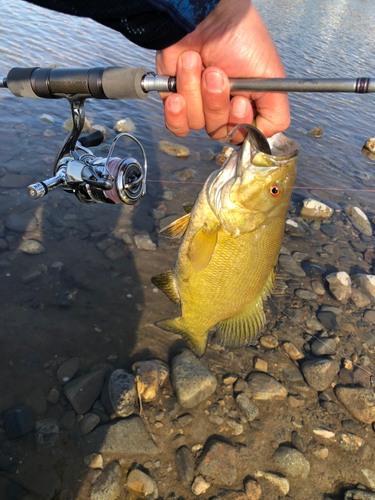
(231, 42)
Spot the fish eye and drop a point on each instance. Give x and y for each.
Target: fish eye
(275, 190)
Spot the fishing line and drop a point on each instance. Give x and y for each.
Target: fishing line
(372, 375)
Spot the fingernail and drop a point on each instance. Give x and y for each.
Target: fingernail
(174, 105)
(239, 107)
(189, 60)
(214, 82)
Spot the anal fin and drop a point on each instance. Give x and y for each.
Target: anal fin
(166, 283)
(175, 325)
(177, 228)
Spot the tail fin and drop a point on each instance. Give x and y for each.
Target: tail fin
(175, 325)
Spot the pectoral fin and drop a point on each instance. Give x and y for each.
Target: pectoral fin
(177, 228)
(202, 248)
(166, 283)
(197, 345)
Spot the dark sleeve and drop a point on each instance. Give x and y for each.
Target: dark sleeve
(153, 24)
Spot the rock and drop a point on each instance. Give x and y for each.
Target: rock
(186, 173)
(140, 482)
(359, 220)
(290, 266)
(119, 393)
(14, 181)
(296, 401)
(370, 317)
(299, 229)
(68, 298)
(312, 269)
(148, 380)
(125, 125)
(305, 294)
(46, 433)
(359, 401)
(253, 490)
(235, 425)
(127, 436)
(68, 125)
(83, 391)
(277, 480)
(173, 149)
(367, 284)
(269, 341)
(300, 256)
(324, 346)
(32, 247)
(320, 373)
(21, 222)
(89, 422)
(263, 386)
(68, 420)
(18, 422)
(114, 252)
(370, 145)
(218, 463)
(185, 419)
(370, 476)
(315, 210)
(144, 242)
(260, 365)
(292, 351)
(359, 495)
(298, 442)
(191, 380)
(67, 370)
(317, 132)
(102, 128)
(291, 462)
(94, 461)
(329, 320)
(359, 299)
(184, 465)
(340, 286)
(199, 486)
(47, 118)
(324, 433)
(351, 442)
(109, 484)
(321, 452)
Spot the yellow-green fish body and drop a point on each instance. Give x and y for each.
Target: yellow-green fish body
(225, 265)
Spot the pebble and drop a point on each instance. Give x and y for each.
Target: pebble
(351, 442)
(317, 132)
(191, 380)
(359, 299)
(253, 490)
(199, 486)
(21, 222)
(305, 294)
(369, 316)
(319, 373)
(329, 230)
(359, 220)
(291, 462)
(370, 476)
(185, 419)
(296, 401)
(312, 269)
(18, 421)
(83, 391)
(235, 425)
(263, 386)
(324, 433)
(148, 380)
(329, 320)
(184, 465)
(359, 495)
(269, 341)
(31, 247)
(67, 370)
(321, 452)
(277, 480)
(46, 433)
(186, 173)
(127, 436)
(109, 485)
(53, 396)
(323, 347)
(94, 461)
(290, 266)
(168, 195)
(125, 125)
(299, 229)
(331, 407)
(292, 351)
(230, 379)
(340, 285)
(47, 118)
(140, 482)
(218, 463)
(119, 393)
(298, 442)
(144, 242)
(299, 256)
(173, 149)
(315, 210)
(359, 401)
(260, 365)
(89, 422)
(367, 284)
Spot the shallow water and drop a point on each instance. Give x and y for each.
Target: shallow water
(114, 306)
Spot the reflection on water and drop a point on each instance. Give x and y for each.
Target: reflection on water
(73, 299)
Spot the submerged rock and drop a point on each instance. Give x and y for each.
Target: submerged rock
(140, 482)
(367, 284)
(125, 125)
(292, 462)
(359, 219)
(359, 401)
(83, 391)
(144, 242)
(109, 484)
(18, 421)
(340, 286)
(320, 373)
(173, 149)
(32, 247)
(119, 393)
(263, 386)
(218, 463)
(277, 480)
(315, 210)
(317, 132)
(184, 465)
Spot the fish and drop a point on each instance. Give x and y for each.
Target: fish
(231, 239)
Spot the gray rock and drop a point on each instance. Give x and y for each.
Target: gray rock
(250, 410)
(323, 347)
(297, 228)
(320, 373)
(114, 252)
(312, 269)
(218, 463)
(31, 276)
(119, 393)
(21, 222)
(67, 370)
(359, 495)
(47, 118)
(186, 173)
(359, 401)
(144, 242)
(262, 386)
(173, 149)
(46, 433)
(184, 420)
(168, 195)
(298, 442)
(305, 294)
(36, 401)
(18, 421)
(16, 180)
(89, 422)
(359, 299)
(291, 462)
(359, 220)
(277, 480)
(53, 396)
(340, 286)
(366, 282)
(329, 320)
(127, 436)
(83, 391)
(109, 485)
(370, 317)
(191, 380)
(290, 266)
(184, 465)
(32, 247)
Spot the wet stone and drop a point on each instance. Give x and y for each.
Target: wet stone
(83, 391)
(359, 220)
(184, 465)
(298, 442)
(94, 461)
(191, 380)
(305, 294)
(21, 222)
(218, 463)
(148, 380)
(370, 317)
(173, 149)
(140, 482)
(329, 230)
(291, 462)
(317, 132)
(331, 407)
(320, 373)
(269, 341)
(329, 320)
(32, 247)
(263, 387)
(340, 286)
(119, 393)
(89, 422)
(370, 477)
(315, 210)
(184, 420)
(67, 370)
(277, 480)
(359, 495)
(18, 421)
(351, 442)
(53, 396)
(114, 252)
(46, 433)
(199, 486)
(323, 347)
(321, 452)
(312, 269)
(253, 490)
(366, 282)
(289, 265)
(109, 484)
(144, 242)
(359, 401)
(359, 299)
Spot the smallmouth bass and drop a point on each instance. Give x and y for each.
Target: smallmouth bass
(225, 266)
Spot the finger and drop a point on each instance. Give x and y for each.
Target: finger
(175, 115)
(189, 75)
(216, 103)
(273, 113)
(241, 111)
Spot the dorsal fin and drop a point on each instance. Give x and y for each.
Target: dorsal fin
(188, 207)
(202, 248)
(167, 284)
(241, 329)
(177, 228)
